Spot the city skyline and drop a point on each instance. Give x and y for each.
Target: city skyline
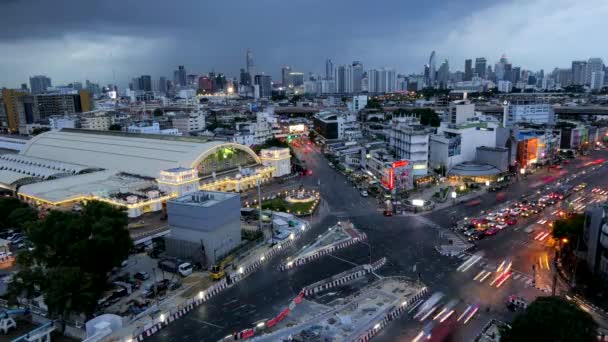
(113, 47)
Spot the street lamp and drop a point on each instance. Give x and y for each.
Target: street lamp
(487, 183)
(454, 194)
(522, 171)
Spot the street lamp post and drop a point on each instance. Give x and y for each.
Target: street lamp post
(454, 194)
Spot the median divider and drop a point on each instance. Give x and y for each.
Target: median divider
(321, 252)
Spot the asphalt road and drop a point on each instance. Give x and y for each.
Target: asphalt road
(407, 242)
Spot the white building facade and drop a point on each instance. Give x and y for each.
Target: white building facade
(410, 141)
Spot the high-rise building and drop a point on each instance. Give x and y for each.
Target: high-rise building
(516, 74)
(162, 84)
(179, 76)
(468, 70)
(145, 83)
(579, 69)
(295, 78)
(563, 77)
(443, 74)
(432, 69)
(285, 80)
(329, 69)
(342, 79)
(597, 80)
(205, 84)
(264, 84)
(593, 65)
(357, 76)
(249, 63)
(381, 80)
(13, 108)
(480, 67)
(39, 84)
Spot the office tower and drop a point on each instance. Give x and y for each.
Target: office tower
(516, 74)
(285, 81)
(341, 79)
(13, 108)
(145, 83)
(382, 80)
(563, 77)
(179, 76)
(329, 69)
(480, 67)
(432, 69)
(191, 79)
(579, 69)
(443, 74)
(468, 70)
(593, 65)
(295, 78)
(162, 84)
(357, 76)
(39, 84)
(597, 80)
(245, 78)
(205, 84)
(24, 87)
(249, 63)
(264, 84)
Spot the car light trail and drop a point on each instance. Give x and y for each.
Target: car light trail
(484, 277)
(418, 337)
(439, 314)
(503, 280)
(502, 264)
(471, 314)
(479, 274)
(446, 316)
(463, 313)
(538, 235)
(428, 313)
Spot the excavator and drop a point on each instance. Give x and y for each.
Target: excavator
(218, 270)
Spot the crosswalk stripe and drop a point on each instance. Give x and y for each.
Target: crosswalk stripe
(463, 256)
(529, 281)
(515, 277)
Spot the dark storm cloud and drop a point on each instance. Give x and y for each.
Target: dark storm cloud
(69, 39)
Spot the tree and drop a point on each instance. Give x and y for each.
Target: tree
(552, 319)
(72, 257)
(312, 135)
(115, 127)
(39, 130)
(7, 207)
(21, 217)
(157, 112)
(427, 116)
(373, 104)
(568, 227)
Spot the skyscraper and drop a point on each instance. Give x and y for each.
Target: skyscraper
(593, 65)
(443, 74)
(357, 76)
(468, 69)
(162, 84)
(432, 69)
(285, 81)
(480, 67)
(249, 63)
(264, 84)
(145, 83)
(39, 84)
(342, 79)
(179, 76)
(245, 78)
(579, 68)
(329, 69)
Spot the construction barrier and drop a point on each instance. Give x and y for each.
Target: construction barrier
(391, 315)
(212, 291)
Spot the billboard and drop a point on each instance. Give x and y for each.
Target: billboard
(400, 176)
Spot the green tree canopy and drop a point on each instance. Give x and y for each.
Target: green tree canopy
(157, 112)
(568, 227)
(115, 127)
(21, 217)
(7, 207)
(427, 116)
(39, 130)
(552, 319)
(72, 256)
(373, 103)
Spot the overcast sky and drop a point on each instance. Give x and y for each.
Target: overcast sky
(106, 40)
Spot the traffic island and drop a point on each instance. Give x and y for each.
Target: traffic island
(299, 202)
(340, 236)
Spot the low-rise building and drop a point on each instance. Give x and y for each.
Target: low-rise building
(410, 141)
(205, 226)
(187, 123)
(278, 158)
(151, 128)
(394, 175)
(332, 125)
(99, 120)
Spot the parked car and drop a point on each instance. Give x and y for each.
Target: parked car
(364, 193)
(492, 231)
